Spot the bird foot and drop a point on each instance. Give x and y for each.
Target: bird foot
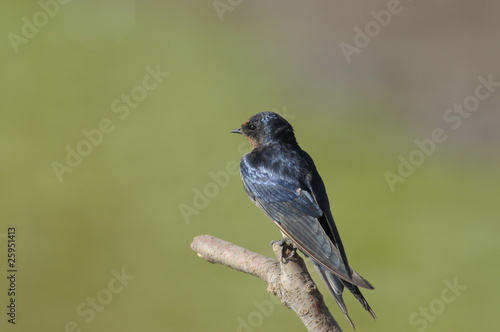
(287, 248)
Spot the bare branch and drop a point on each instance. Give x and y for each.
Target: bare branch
(288, 279)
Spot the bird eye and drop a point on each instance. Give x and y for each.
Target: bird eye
(252, 127)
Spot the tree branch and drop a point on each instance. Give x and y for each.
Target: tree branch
(288, 279)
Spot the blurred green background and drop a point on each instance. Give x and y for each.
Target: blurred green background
(117, 210)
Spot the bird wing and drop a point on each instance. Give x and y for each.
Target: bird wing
(295, 211)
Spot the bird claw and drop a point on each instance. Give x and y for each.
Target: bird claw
(287, 249)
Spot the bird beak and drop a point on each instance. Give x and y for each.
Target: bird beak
(236, 131)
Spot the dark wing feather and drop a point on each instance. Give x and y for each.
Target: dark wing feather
(295, 211)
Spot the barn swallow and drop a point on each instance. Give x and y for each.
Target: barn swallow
(282, 180)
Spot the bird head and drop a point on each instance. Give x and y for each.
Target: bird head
(266, 128)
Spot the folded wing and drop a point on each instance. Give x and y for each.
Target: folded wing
(295, 211)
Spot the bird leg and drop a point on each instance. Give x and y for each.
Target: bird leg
(287, 248)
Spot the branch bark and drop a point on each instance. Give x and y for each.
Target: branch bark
(288, 279)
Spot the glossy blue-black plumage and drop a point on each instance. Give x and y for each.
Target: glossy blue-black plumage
(282, 180)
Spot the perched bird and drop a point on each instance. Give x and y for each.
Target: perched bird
(282, 180)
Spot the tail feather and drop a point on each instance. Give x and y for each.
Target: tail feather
(357, 294)
(336, 286)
